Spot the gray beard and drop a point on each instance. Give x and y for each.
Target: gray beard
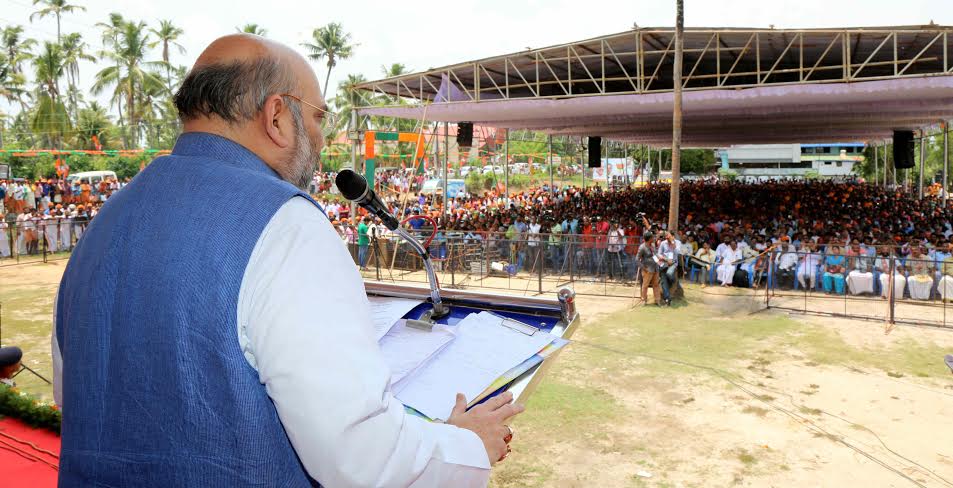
(305, 159)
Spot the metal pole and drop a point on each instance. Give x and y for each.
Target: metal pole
(506, 167)
(876, 163)
(355, 148)
(625, 163)
(923, 144)
(582, 164)
(446, 167)
(552, 181)
(886, 168)
(946, 159)
(648, 163)
(676, 118)
(893, 173)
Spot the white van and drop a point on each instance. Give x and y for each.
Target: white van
(91, 177)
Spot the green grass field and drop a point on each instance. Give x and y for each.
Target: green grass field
(706, 393)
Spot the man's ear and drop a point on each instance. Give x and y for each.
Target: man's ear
(277, 121)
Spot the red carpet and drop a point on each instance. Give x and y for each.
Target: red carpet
(23, 464)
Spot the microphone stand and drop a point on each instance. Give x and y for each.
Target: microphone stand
(355, 188)
(439, 310)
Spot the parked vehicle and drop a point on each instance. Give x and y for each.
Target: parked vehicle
(435, 186)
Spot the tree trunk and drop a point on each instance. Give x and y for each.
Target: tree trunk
(326, 78)
(676, 119)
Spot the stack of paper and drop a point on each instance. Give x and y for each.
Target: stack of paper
(483, 350)
(405, 348)
(477, 356)
(385, 312)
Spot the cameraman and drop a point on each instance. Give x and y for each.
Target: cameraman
(646, 257)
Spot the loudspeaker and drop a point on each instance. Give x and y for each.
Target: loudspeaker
(465, 134)
(595, 152)
(903, 149)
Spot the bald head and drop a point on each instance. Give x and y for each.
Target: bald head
(234, 76)
(252, 90)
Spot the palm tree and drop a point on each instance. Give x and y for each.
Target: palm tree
(56, 8)
(12, 84)
(132, 75)
(252, 29)
(74, 50)
(330, 42)
(110, 40)
(167, 34)
(347, 98)
(673, 201)
(50, 119)
(395, 69)
(93, 120)
(16, 47)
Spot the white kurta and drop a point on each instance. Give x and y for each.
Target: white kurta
(858, 282)
(51, 234)
(900, 282)
(920, 286)
(4, 240)
(312, 343)
(726, 270)
(66, 236)
(945, 287)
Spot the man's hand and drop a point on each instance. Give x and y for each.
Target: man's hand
(487, 420)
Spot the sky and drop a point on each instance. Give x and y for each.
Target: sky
(425, 34)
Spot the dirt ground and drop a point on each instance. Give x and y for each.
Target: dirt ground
(710, 392)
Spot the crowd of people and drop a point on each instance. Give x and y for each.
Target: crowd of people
(839, 237)
(48, 215)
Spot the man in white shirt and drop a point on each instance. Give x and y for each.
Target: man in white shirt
(787, 262)
(253, 104)
(532, 237)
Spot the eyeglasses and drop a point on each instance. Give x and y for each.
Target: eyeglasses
(328, 119)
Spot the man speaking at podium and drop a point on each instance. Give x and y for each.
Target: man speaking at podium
(205, 343)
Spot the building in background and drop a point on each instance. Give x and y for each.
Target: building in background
(793, 160)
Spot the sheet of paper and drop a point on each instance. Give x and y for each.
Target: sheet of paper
(406, 348)
(385, 312)
(483, 350)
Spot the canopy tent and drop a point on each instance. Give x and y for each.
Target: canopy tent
(743, 86)
(770, 114)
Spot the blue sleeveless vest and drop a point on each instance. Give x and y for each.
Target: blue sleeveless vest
(156, 390)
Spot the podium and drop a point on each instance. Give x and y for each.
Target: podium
(546, 314)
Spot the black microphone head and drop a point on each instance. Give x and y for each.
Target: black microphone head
(352, 185)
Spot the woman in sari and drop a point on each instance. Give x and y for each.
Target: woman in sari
(834, 267)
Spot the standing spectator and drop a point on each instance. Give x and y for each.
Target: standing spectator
(363, 242)
(616, 243)
(633, 236)
(533, 242)
(646, 256)
(4, 239)
(555, 245)
(668, 266)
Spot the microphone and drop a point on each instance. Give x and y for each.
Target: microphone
(355, 188)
